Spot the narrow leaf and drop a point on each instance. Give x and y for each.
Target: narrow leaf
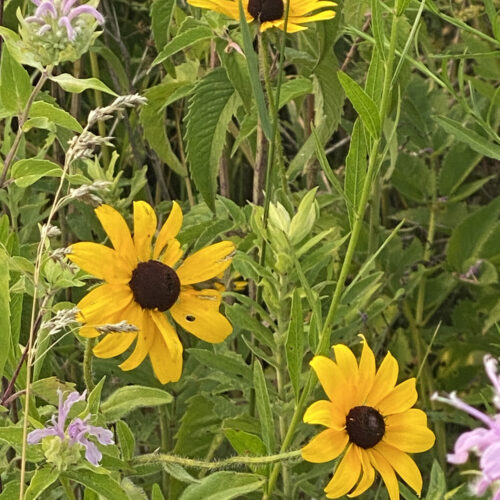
(55, 115)
(295, 343)
(126, 439)
(161, 17)
(264, 407)
(5, 339)
(77, 85)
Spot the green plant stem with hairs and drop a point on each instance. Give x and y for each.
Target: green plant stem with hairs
(87, 365)
(325, 335)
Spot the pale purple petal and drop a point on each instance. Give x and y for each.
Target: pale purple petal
(92, 453)
(490, 461)
(479, 487)
(64, 21)
(104, 436)
(491, 368)
(37, 2)
(497, 495)
(477, 440)
(86, 9)
(76, 430)
(65, 408)
(66, 5)
(46, 8)
(34, 19)
(44, 29)
(38, 434)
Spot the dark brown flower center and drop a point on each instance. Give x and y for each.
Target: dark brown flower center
(155, 285)
(365, 426)
(266, 10)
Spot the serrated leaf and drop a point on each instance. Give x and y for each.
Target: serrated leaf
(363, 104)
(27, 172)
(223, 485)
(212, 104)
(15, 85)
(182, 41)
(161, 17)
(355, 170)
(77, 85)
(471, 234)
(295, 343)
(100, 483)
(470, 137)
(264, 407)
(55, 115)
(40, 481)
(126, 399)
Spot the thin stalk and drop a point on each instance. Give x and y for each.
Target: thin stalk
(21, 121)
(70, 494)
(325, 335)
(87, 365)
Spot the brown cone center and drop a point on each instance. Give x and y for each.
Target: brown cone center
(155, 285)
(266, 10)
(365, 426)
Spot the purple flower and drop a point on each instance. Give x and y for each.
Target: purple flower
(51, 14)
(483, 441)
(77, 430)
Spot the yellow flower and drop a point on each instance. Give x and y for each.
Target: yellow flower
(271, 13)
(371, 418)
(142, 282)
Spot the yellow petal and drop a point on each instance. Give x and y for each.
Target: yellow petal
(384, 382)
(119, 234)
(197, 311)
(367, 477)
(366, 373)
(167, 332)
(145, 336)
(206, 263)
(144, 229)
(414, 439)
(412, 417)
(386, 471)
(166, 363)
(403, 465)
(172, 254)
(333, 382)
(346, 361)
(326, 446)
(97, 307)
(325, 413)
(346, 475)
(402, 398)
(113, 344)
(169, 230)
(101, 261)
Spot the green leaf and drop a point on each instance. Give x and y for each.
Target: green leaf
(179, 473)
(437, 483)
(294, 88)
(156, 493)
(40, 481)
(5, 340)
(468, 136)
(11, 491)
(253, 71)
(100, 483)
(15, 85)
(27, 172)
(264, 407)
(182, 41)
(458, 163)
(377, 25)
(468, 238)
(77, 85)
(355, 170)
(126, 440)
(245, 443)
(94, 398)
(55, 115)
(230, 363)
(161, 17)
(126, 399)
(240, 317)
(211, 106)
(223, 485)
(363, 104)
(295, 343)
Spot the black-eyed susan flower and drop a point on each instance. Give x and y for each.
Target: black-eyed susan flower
(142, 282)
(370, 419)
(271, 13)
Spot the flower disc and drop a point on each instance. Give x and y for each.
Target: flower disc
(155, 285)
(365, 426)
(266, 10)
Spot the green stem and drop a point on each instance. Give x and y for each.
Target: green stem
(163, 458)
(70, 494)
(325, 335)
(87, 365)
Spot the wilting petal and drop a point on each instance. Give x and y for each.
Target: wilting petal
(118, 232)
(325, 413)
(403, 465)
(169, 230)
(386, 471)
(346, 475)
(144, 229)
(384, 382)
(206, 263)
(198, 313)
(400, 399)
(326, 446)
(100, 261)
